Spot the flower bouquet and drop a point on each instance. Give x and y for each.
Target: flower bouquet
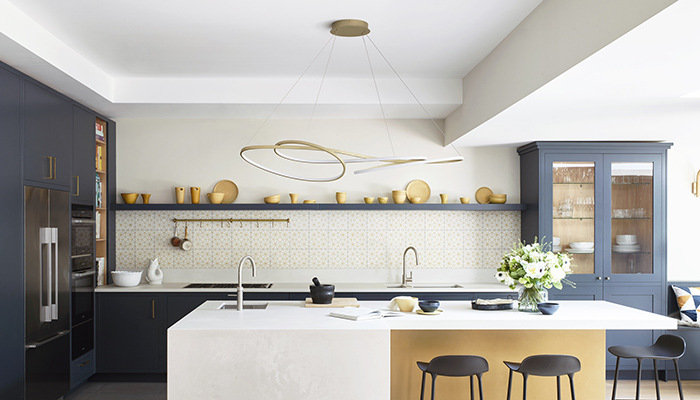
(534, 269)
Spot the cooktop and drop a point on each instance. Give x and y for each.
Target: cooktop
(228, 286)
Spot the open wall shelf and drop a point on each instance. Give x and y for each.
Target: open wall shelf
(320, 206)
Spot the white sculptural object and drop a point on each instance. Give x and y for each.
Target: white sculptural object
(154, 275)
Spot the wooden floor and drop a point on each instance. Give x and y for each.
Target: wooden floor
(669, 390)
(156, 391)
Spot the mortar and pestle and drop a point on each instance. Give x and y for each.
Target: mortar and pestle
(321, 294)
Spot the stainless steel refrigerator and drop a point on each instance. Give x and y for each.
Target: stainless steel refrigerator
(47, 291)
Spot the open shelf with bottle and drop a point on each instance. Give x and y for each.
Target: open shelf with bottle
(101, 195)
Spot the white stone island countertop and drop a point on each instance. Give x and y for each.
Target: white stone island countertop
(288, 351)
(304, 287)
(290, 315)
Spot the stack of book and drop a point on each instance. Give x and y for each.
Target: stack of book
(99, 132)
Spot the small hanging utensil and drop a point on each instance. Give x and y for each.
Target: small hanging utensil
(185, 244)
(175, 241)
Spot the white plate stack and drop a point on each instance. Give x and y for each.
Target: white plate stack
(556, 244)
(626, 244)
(581, 247)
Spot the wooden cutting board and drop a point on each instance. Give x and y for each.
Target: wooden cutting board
(338, 302)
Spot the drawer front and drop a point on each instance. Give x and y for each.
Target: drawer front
(82, 368)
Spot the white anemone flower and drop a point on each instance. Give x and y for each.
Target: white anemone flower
(535, 270)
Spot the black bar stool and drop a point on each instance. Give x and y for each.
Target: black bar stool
(667, 347)
(454, 366)
(545, 365)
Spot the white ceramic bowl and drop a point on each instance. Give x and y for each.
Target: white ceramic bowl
(126, 278)
(581, 245)
(556, 241)
(626, 239)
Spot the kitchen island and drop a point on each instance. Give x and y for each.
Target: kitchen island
(288, 351)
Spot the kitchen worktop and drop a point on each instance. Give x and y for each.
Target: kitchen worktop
(304, 287)
(281, 315)
(288, 351)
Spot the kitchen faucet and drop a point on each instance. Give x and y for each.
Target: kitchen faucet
(407, 279)
(239, 297)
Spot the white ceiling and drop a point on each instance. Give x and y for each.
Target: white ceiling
(235, 59)
(208, 58)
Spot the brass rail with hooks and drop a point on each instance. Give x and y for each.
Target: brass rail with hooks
(230, 220)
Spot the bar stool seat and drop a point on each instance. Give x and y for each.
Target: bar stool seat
(545, 365)
(666, 347)
(457, 365)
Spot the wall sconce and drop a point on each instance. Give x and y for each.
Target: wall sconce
(696, 184)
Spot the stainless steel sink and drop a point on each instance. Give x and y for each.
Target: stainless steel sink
(245, 306)
(453, 286)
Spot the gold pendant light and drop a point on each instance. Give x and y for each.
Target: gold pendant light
(343, 28)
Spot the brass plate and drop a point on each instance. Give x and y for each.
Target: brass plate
(417, 189)
(229, 189)
(482, 195)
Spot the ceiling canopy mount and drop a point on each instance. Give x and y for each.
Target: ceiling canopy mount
(350, 28)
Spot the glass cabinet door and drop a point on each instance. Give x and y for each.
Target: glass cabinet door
(631, 218)
(573, 213)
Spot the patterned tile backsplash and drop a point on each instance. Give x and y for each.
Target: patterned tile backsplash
(318, 239)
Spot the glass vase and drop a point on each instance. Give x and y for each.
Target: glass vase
(529, 297)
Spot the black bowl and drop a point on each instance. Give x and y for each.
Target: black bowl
(548, 308)
(322, 294)
(429, 305)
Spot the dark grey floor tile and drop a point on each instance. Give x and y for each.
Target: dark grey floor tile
(84, 390)
(133, 387)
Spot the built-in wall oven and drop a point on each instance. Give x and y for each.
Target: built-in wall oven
(82, 279)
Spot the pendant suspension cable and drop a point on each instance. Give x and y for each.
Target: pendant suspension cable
(318, 94)
(288, 92)
(412, 94)
(379, 97)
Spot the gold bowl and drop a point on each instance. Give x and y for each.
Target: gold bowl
(309, 201)
(464, 200)
(215, 198)
(382, 200)
(369, 200)
(274, 199)
(415, 200)
(497, 199)
(399, 196)
(130, 198)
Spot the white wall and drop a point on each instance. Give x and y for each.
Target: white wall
(155, 155)
(683, 214)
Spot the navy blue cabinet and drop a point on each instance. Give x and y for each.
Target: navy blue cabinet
(605, 205)
(130, 333)
(11, 239)
(83, 176)
(48, 137)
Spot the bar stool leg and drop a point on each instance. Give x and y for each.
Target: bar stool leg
(571, 382)
(656, 380)
(558, 387)
(422, 387)
(617, 369)
(481, 389)
(639, 377)
(510, 381)
(678, 378)
(471, 386)
(524, 387)
(432, 394)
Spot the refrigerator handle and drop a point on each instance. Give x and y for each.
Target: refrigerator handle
(54, 304)
(45, 240)
(36, 345)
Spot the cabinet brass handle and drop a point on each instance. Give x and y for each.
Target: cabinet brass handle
(153, 309)
(54, 167)
(85, 363)
(77, 185)
(50, 168)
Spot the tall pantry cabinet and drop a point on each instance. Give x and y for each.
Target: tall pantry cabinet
(48, 141)
(605, 204)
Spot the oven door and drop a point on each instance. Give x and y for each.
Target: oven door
(83, 295)
(82, 237)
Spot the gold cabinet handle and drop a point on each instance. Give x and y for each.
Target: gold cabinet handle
(153, 309)
(50, 167)
(54, 167)
(85, 363)
(77, 185)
